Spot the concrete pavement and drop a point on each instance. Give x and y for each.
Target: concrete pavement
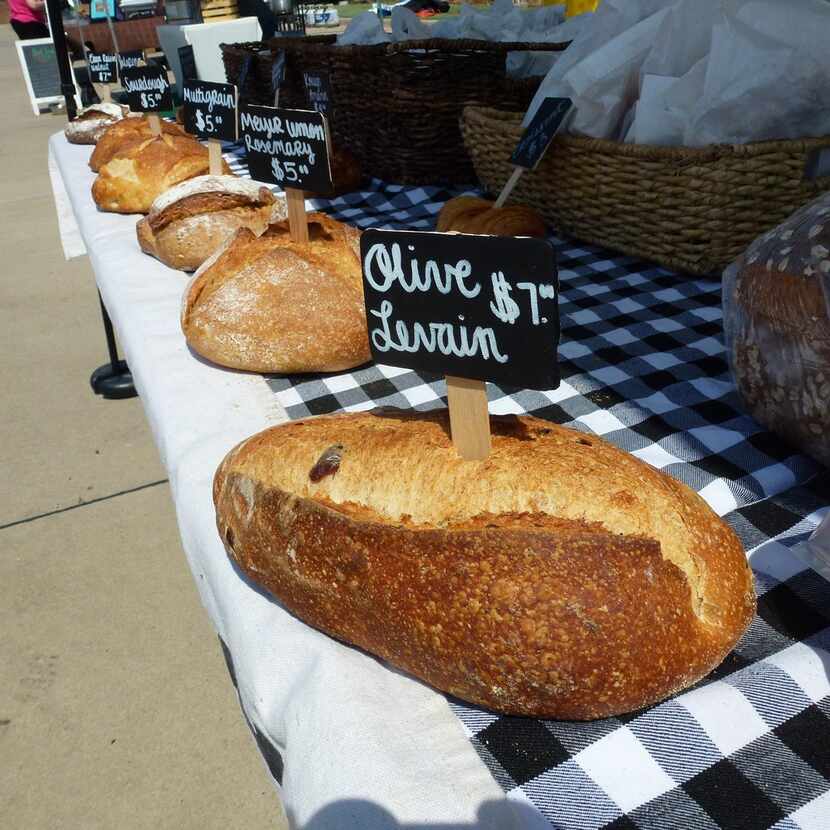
(116, 709)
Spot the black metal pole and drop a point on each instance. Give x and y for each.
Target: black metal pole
(53, 8)
(113, 380)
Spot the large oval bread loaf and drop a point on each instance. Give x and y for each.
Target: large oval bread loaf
(123, 134)
(559, 577)
(131, 180)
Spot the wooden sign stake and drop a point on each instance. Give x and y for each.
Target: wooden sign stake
(215, 156)
(155, 123)
(469, 417)
(297, 219)
(508, 186)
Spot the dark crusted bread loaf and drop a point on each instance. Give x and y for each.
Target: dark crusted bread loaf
(194, 218)
(560, 577)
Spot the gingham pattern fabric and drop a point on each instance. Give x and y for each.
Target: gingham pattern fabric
(643, 365)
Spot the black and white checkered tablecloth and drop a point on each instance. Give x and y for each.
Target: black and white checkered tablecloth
(643, 365)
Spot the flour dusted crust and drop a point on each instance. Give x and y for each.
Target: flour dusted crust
(91, 122)
(131, 180)
(560, 577)
(188, 222)
(122, 135)
(267, 304)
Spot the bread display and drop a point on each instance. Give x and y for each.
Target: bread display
(267, 304)
(123, 134)
(191, 220)
(469, 214)
(776, 311)
(559, 577)
(131, 180)
(92, 122)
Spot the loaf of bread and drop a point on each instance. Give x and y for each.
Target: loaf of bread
(468, 214)
(267, 304)
(92, 122)
(560, 577)
(131, 180)
(776, 312)
(191, 220)
(123, 134)
(345, 173)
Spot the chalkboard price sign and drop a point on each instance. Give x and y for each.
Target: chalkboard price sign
(478, 307)
(287, 147)
(102, 67)
(187, 61)
(540, 132)
(210, 109)
(147, 88)
(318, 90)
(129, 60)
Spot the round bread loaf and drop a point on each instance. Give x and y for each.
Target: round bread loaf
(469, 214)
(559, 577)
(92, 122)
(123, 134)
(131, 180)
(267, 304)
(194, 218)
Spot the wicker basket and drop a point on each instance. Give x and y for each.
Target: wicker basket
(300, 53)
(690, 209)
(396, 106)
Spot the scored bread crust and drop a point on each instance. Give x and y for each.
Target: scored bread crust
(559, 577)
(130, 181)
(469, 214)
(123, 134)
(267, 304)
(185, 233)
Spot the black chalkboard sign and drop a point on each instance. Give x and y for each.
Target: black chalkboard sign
(287, 147)
(187, 60)
(103, 67)
(42, 68)
(540, 132)
(131, 59)
(318, 90)
(479, 307)
(147, 88)
(210, 109)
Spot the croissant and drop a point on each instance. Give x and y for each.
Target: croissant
(468, 214)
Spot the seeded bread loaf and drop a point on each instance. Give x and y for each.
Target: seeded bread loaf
(191, 220)
(560, 577)
(267, 304)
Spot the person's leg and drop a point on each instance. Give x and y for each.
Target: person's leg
(30, 29)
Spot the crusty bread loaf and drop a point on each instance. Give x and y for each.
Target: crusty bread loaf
(267, 304)
(131, 180)
(559, 577)
(776, 312)
(191, 220)
(123, 134)
(468, 214)
(92, 122)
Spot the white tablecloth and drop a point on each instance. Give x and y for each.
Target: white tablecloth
(362, 746)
